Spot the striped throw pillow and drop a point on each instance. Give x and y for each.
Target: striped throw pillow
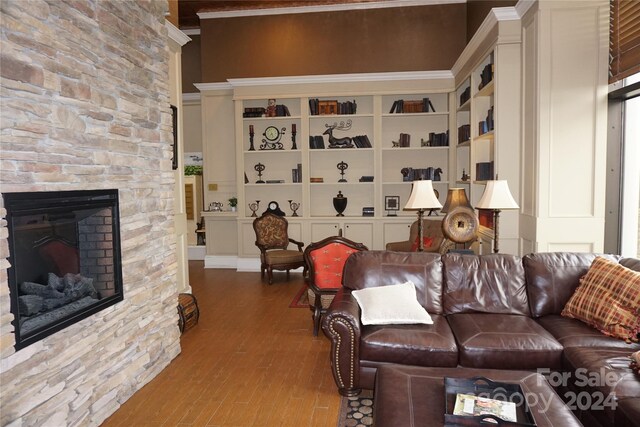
(608, 298)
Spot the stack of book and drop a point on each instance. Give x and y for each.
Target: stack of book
(366, 178)
(324, 107)
(316, 142)
(419, 174)
(296, 174)
(465, 95)
(487, 124)
(411, 106)
(464, 133)
(438, 139)
(486, 76)
(484, 171)
(367, 211)
(405, 140)
(361, 141)
(254, 112)
(282, 111)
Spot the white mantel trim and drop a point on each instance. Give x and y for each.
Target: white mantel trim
(493, 18)
(191, 97)
(324, 8)
(176, 35)
(191, 31)
(342, 78)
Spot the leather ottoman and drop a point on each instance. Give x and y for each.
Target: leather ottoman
(414, 396)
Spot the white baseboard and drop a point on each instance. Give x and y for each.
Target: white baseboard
(221, 261)
(240, 264)
(196, 253)
(248, 264)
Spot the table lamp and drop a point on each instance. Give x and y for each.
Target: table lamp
(455, 197)
(496, 197)
(422, 198)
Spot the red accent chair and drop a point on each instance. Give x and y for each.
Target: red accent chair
(272, 240)
(325, 260)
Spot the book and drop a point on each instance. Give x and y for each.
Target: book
(316, 180)
(473, 406)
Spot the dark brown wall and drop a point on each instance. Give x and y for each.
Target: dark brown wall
(191, 65)
(356, 41)
(477, 10)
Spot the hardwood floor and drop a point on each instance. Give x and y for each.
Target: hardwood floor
(250, 361)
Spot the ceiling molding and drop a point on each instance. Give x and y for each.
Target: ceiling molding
(523, 6)
(176, 35)
(493, 18)
(323, 8)
(342, 78)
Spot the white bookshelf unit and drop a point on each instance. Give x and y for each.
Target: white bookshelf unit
(373, 172)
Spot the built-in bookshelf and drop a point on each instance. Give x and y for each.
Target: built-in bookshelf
(380, 142)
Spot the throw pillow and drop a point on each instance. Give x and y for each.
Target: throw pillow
(427, 242)
(608, 298)
(391, 305)
(635, 362)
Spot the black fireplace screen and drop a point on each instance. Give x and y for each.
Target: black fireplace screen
(65, 259)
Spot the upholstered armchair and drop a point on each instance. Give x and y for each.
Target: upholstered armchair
(434, 240)
(273, 241)
(325, 260)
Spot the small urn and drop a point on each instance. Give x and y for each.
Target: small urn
(340, 203)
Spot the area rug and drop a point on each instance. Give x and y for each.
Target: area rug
(301, 300)
(356, 411)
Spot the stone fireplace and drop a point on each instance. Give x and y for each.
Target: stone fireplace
(85, 107)
(64, 251)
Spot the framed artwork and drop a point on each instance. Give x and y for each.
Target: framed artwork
(174, 121)
(392, 205)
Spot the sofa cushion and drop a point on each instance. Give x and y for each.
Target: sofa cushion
(605, 370)
(628, 412)
(488, 284)
(368, 269)
(608, 299)
(553, 277)
(504, 341)
(423, 345)
(391, 305)
(575, 333)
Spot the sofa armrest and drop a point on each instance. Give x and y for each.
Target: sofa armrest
(341, 325)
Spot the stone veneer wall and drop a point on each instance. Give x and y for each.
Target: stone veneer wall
(85, 105)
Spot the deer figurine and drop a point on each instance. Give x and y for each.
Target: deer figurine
(334, 142)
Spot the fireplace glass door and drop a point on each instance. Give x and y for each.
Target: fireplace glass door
(65, 259)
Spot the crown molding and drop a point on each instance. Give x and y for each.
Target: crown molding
(175, 34)
(342, 78)
(324, 8)
(523, 6)
(493, 18)
(203, 87)
(191, 31)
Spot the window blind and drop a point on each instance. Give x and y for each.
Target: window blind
(625, 39)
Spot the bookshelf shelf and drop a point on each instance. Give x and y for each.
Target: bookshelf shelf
(486, 90)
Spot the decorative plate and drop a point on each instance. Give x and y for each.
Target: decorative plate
(460, 224)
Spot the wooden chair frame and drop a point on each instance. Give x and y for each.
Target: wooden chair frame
(316, 307)
(269, 267)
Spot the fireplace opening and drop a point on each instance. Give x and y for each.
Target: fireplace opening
(64, 251)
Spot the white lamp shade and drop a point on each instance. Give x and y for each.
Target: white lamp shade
(422, 196)
(497, 196)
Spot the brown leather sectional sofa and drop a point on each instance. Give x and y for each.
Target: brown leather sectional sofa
(489, 312)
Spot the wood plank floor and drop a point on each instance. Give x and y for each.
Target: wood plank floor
(250, 361)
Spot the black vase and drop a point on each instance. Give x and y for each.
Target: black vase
(340, 203)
